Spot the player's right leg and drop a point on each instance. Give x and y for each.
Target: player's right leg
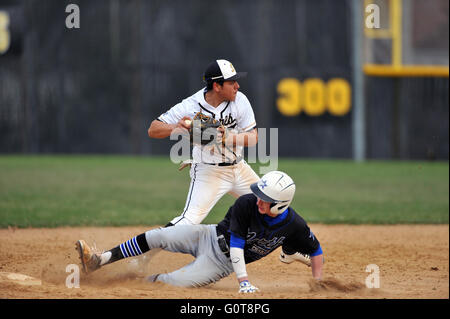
(181, 239)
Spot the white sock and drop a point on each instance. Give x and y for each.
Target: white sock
(105, 257)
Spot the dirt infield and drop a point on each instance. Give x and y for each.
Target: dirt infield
(413, 262)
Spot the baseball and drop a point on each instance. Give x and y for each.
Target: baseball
(188, 122)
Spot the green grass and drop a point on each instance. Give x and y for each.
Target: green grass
(51, 191)
(374, 192)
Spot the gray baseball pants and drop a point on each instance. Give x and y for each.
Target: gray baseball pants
(210, 264)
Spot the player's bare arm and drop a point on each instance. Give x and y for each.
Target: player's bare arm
(316, 266)
(160, 129)
(247, 139)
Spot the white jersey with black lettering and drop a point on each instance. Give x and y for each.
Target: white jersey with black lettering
(210, 182)
(237, 115)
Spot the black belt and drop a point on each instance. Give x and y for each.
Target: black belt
(222, 164)
(222, 243)
(225, 164)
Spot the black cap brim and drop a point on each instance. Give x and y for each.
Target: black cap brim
(238, 75)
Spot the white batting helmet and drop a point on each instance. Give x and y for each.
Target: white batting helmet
(277, 188)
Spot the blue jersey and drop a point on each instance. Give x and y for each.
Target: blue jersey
(261, 237)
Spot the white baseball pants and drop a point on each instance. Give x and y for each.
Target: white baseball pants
(209, 184)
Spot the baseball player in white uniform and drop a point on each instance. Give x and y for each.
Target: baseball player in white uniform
(214, 171)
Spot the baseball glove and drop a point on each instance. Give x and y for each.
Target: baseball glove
(204, 129)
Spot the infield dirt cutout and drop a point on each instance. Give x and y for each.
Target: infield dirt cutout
(413, 262)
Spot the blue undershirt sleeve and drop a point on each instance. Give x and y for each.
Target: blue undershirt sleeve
(317, 252)
(236, 241)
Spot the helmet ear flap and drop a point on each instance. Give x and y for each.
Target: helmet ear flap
(278, 208)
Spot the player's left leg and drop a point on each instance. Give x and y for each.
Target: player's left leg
(244, 177)
(183, 239)
(202, 271)
(92, 260)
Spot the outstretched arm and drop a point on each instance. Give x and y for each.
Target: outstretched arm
(160, 129)
(316, 266)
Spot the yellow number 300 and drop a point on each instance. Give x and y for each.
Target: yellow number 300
(314, 97)
(5, 39)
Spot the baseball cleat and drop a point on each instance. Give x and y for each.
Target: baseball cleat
(89, 259)
(303, 258)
